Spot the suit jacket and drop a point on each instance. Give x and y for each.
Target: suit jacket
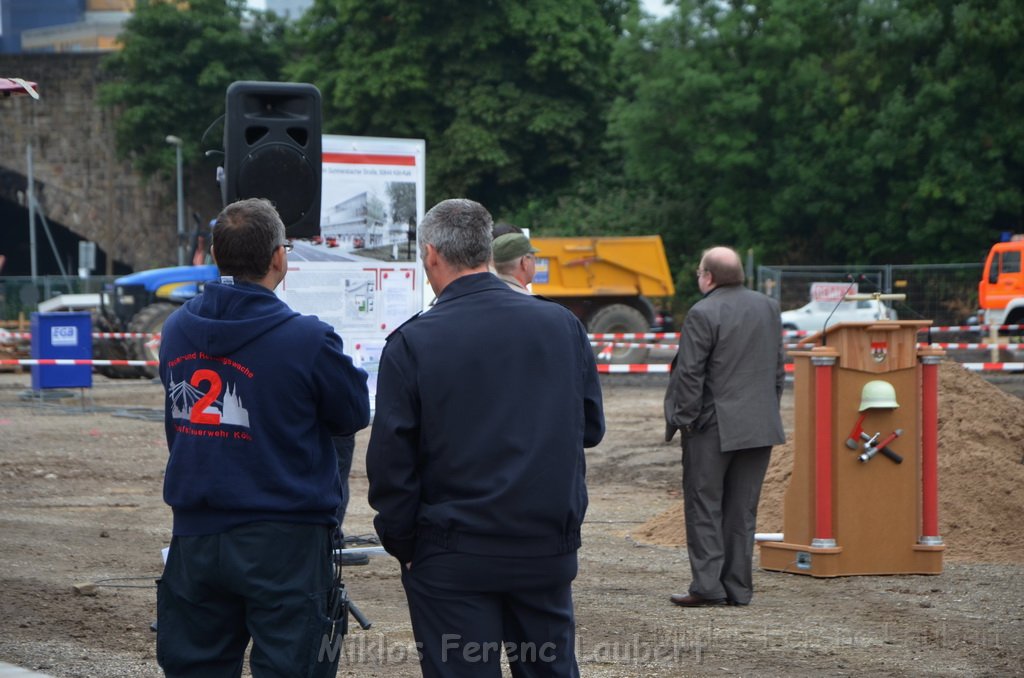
(729, 369)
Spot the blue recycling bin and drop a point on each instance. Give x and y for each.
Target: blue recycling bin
(61, 336)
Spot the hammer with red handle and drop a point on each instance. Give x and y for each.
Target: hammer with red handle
(871, 447)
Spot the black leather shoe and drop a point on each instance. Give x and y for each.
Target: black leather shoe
(693, 600)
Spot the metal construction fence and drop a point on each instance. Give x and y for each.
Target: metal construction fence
(20, 295)
(946, 294)
(652, 351)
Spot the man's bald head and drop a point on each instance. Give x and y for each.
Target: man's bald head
(724, 266)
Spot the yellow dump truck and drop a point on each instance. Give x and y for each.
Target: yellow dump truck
(607, 282)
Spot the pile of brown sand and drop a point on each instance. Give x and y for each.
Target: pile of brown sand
(981, 475)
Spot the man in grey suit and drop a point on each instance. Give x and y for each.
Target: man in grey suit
(723, 395)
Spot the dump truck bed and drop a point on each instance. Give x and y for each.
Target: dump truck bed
(602, 266)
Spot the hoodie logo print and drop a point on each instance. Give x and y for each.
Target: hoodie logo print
(190, 402)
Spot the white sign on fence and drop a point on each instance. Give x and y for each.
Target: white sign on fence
(831, 292)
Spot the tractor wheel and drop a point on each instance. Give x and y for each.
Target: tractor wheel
(149, 321)
(111, 349)
(616, 319)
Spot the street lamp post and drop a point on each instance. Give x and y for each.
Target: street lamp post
(176, 142)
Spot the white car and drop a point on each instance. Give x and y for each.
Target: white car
(812, 317)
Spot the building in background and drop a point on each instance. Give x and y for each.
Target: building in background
(86, 25)
(20, 16)
(356, 222)
(62, 25)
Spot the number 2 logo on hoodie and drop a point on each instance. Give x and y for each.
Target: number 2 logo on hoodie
(205, 399)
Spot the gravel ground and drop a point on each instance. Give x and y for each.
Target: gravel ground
(82, 524)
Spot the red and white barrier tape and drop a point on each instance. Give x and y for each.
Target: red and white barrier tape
(993, 367)
(663, 368)
(982, 329)
(633, 369)
(616, 344)
(970, 328)
(96, 335)
(81, 361)
(636, 335)
(594, 337)
(973, 347)
(949, 346)
(659, 368)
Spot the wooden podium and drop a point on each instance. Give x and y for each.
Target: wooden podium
(843, 514)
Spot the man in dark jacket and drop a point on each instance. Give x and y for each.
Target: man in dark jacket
(254, 393)
(485, 403)
(724, 394)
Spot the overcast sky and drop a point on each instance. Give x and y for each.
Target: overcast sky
(654, 7)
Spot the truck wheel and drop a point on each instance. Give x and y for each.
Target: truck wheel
(616, 319)
(150, 320)
(111, 349)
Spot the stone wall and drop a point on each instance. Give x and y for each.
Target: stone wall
(80, 182)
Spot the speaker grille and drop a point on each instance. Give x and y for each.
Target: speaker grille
(272, 150)
(283, 175)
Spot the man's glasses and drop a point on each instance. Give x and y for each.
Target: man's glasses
(288, 247)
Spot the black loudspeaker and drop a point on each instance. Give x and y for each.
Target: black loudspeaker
(272, 148)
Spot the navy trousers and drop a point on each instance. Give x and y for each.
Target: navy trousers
(344, 447)
(467, 609)
(266, 581)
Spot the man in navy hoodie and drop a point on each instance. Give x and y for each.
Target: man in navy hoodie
(485, 403)
(254, 393)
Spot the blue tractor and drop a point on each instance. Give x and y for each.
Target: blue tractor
(139, 303)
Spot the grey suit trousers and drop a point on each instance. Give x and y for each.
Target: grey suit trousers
(720, 495)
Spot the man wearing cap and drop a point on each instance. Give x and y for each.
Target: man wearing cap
(514, 260)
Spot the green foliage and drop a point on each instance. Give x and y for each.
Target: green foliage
(510, 95)
(837, 131)
(174, 69)
(842, 131)
(402, 197)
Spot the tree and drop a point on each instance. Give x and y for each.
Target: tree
(949, 135)
(843, 131)
(510, 95)
(172, 73)
(402, 197)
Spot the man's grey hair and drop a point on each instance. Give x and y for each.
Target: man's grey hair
(507, 267)
(460, 231)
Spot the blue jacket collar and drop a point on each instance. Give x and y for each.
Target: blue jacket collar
(471, 284)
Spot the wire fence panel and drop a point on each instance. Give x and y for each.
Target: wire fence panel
(946, 294)
(20, 295)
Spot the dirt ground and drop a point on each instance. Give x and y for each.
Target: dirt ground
(80, 503)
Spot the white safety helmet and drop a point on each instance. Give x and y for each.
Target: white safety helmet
(877, 393)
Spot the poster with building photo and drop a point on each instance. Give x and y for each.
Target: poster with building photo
(362, 274)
